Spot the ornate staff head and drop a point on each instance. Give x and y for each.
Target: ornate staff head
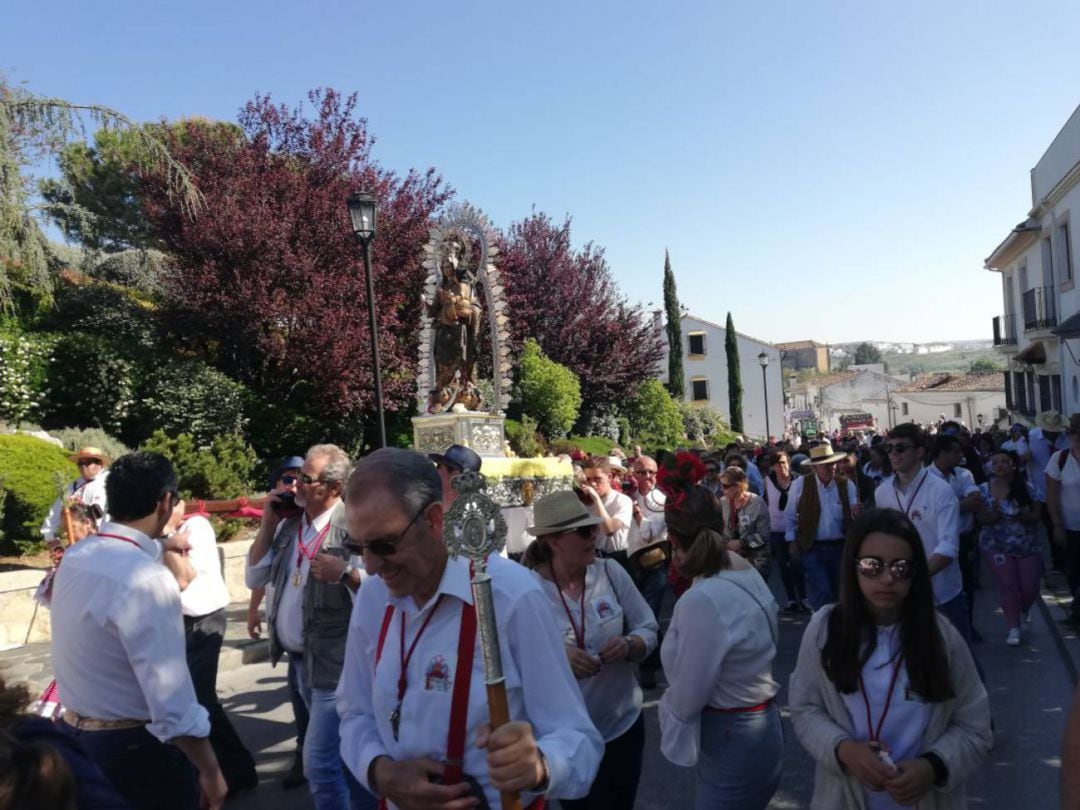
(474, 526)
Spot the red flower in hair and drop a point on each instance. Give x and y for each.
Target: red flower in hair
(675, 480)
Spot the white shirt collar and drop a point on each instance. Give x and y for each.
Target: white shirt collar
(455, 582)
(319, 522)
(148, 545)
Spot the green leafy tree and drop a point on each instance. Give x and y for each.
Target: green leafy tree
(655, 419)
(31, 469)
(867, 353)
(222, 470)
(734, 375)
(676, 378)
(704, 426)
(985, 364)
(550, 392)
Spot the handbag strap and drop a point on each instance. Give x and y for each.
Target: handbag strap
(748, 592)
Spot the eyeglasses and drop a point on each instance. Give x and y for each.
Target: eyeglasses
(309, 480)
(87, 462)
(726, 486)
(872, 568)
(584, 532)
(287, 480)
(383, 548)
(646, 473)
(897, 447)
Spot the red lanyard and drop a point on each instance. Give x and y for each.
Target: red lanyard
(579, 636)
(896, 491)
(403, 676)
(875, 732)
(311, 549)
(119, 537)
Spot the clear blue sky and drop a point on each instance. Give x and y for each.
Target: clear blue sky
(832, 170)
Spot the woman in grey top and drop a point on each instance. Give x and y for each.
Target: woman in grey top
(747, 524)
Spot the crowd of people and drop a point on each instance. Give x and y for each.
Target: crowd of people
(879, 538)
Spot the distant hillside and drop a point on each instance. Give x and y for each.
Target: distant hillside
(908, 358)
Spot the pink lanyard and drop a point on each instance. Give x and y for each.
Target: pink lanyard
(580, 637)
(119, 537)
(875, 731)
(311, 549)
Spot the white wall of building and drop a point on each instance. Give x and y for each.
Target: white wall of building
(711, 368)
(926, 407)
(867, 392)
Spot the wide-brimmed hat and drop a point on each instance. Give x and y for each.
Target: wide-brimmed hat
(90, 454)
(559, 512)
(459, 457)
(1052, 421)
(823, 454)
(616, 463)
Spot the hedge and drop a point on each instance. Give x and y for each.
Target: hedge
(32, 468)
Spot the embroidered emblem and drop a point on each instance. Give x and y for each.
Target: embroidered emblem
(437, 677)
(916, 514)
(604, 609)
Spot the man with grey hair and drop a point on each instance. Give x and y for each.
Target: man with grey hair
(310, 580)
(413, 704)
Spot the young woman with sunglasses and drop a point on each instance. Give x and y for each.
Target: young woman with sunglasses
(1009, 515)
(607, 626)
(885, 695)
(746, 520)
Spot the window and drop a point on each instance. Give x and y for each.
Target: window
(903, 409)
(1045, 399)
(1047, 262)
(700, 390)
(957, 410)
(1008, 391)
(1055, 393)
(1064, 252)
(1019, 391)
(697, 344)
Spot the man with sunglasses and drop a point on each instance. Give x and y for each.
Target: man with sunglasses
(118, 650)
(310, 580)
(88, 488)
(929, 501)
(414, 722)
(455, 461)
(649, 551)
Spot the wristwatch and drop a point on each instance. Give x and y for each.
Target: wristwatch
(349, 568)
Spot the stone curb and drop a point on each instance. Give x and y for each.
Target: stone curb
(1054, 604)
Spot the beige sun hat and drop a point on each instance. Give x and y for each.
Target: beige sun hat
(1052, 421)
(823, 454)
(90, 454)
(559, 512)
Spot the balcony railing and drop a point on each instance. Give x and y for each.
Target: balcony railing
(1005, 330)
(1040, 310)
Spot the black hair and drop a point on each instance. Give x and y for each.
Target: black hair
(1018, 491)
(852, 633)
(943, 443)
(136, 484)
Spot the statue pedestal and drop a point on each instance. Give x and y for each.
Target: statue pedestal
(483, 433)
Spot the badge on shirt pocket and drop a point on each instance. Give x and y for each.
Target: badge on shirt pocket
(437, 675)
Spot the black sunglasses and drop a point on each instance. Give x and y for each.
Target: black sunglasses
(383, 548)
(897, 447)
(873, 567)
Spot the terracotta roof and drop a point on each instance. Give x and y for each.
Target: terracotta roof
(976, 381)
(831, 379)
(800, 344)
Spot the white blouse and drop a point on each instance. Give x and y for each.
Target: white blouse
(718, 651)
(613, 607)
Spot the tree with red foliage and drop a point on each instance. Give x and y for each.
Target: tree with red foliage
(268, 282)
(569, 302)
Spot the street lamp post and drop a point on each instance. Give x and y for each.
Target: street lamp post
(763, 358)
(363, 211)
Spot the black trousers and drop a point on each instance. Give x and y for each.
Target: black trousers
(204, 637)
(616, 783)
(968, 561)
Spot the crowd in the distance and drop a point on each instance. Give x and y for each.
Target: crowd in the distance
(877, 538)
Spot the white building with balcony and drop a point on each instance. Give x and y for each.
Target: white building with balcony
(705, 371)
(1039, 331)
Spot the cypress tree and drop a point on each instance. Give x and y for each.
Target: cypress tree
(676, 379)
(734, 377)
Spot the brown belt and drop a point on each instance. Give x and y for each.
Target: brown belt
(81, 723)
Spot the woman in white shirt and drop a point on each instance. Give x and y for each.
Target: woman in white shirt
(607, 625)
(718, 714)
(885, 695)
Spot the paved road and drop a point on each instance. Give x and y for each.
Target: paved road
(1029, 685)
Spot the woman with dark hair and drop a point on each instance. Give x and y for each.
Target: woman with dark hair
(718, 714)
(1009, 515)
(877, 469)
(885, 695)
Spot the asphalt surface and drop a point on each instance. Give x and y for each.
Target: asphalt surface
(1030, 688)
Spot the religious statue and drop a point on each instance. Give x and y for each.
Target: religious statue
(455, 315)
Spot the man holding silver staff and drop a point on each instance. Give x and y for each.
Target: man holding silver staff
(413, 700)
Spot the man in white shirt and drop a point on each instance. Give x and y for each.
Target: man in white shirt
(204, 601)
(819, 511)
(118, 650)
(614, 509)
(313, 578)
(648, 551)
(1044, 441)
(1018, 443)
(1063, 501)
(948, 455)
(88, 488)
(401, 685)
(934, 509)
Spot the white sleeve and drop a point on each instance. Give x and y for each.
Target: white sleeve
(792, 508)
(948, 509)
(1052, 468)
(258, 575)
(701, 642)
(640, 620)
(52, 520)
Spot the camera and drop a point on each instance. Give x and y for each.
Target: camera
(286, 502)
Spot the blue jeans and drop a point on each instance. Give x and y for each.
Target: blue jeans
(652, 584)
(299, 707)
(149, 774)
(956, 611)
(332, 785)
(791, 568)
(821, 565)
(742, 757)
